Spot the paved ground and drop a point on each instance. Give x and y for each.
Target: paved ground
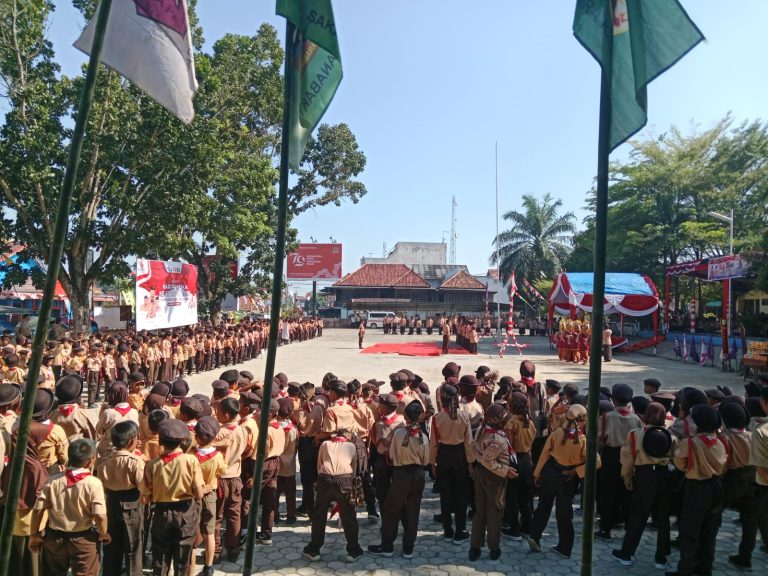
(337, 352)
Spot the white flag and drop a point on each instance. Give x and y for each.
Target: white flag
(149, 43)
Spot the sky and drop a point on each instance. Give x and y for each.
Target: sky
(432, 86)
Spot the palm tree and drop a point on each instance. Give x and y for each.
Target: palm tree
(538, 242)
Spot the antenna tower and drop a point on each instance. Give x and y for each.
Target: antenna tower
(452, 251)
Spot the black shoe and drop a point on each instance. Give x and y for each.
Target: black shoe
(496, 554)
(622, 558)
(379, 550)
(311, 554)
(291, 520)
(739, 563)
(511, 533)
(560, 553)
(460, 537)
(603, 535)
(301, 511)
(233, 555)
(264, 538)
(448, 534)
(207, 571)
(407, 553)
(438, 518)
(474, 554)
(534, 544)
(355, 555)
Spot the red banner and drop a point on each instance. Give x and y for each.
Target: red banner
(315, 262)
(166, 294)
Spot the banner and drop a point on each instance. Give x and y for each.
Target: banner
(166, 294)
(315, 262)
(726, 267)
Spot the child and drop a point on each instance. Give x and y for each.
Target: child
(276, 440)
(136, 394)
(68, 414)
(213, 466)
(492, 468)
(151, 446)
(562, 458)
(173, 481)
(52, 450)
(77, 517)
(116, 410)
(93, 365)
(286, 479)
(121, 473)
(13, 373)
(249, 406)
(521, 431)
(409, 453)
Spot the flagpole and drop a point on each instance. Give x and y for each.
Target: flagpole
(277, 278)
(498, 262)
(595, 358)
(54, 264)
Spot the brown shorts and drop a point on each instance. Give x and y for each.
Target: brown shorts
(208, 514)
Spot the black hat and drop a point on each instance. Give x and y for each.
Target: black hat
(388, 400)
(274, 406)
(414, 410)
(192, 407)
(69, 388)
(639, 404)
(220, 386)
(469, 380)
(398, 377)
(282, 377)
(410, 376)
(207, 426)
(451, 369)
(482, 371)
(706, 418)
(606, 406)
(44, 400)
(692, 396)
(376, 383)
(666, 399)
(715, 394)
(247, 375)
(553, 384)
(179, 389)
(134, 377)
(338, 387)
(606, 393)
(754, 407)
(205, 403)
(230, 376)
(449, 390)
(657, 441)
(9, 394)
(161, 389)
(653, 382)
(734, 414)
(622, 393)
(172, 430)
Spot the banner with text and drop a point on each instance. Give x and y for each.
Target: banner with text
(166, 294)
(726, 267)
(315, 262)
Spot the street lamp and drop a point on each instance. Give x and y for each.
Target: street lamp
(729, 221)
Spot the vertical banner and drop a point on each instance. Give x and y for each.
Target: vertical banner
(166, 294)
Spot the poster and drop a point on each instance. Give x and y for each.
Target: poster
(726, 267)
(315, 262)
(166, 294)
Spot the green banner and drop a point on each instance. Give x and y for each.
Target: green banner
(634, 41)
(315, 65)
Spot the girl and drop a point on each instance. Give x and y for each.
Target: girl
(521, 432)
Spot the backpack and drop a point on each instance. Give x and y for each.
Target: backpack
(356, 496)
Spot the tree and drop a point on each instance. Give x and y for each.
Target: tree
(538, 242)
(149, 185)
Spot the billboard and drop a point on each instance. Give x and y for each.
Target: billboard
(315, 262)
(726, 267)
(166, 294)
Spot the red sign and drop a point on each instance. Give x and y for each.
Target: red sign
(315, 262)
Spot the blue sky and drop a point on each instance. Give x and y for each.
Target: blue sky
(431, 85)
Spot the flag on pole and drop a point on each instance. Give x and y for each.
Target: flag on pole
(644, 40)
(149, 43)
(676, 348)
(685, 349)
(315, 63)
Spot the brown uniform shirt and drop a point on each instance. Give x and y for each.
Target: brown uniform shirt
(758, 454)
(473, 410)
(171, 481)
(364, 418)
(520, 436)
(121, 470)
(492, 450)
(15, 375)
(337, 458)
(739, 447)
(614, 426)
(382, 431)
(568, 454)
(445, 430)
(288, 457)
(632, 454)
(232, 440)
(251, 427)
(75, 422)
(212, 466)
(701, 457)
(53, 450)
(416, 452)
(309, 422)
(72, 508)
(339, 415)
(275, 440)
(151, 448)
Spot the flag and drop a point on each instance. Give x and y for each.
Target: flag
(315, 66)
(512, 292)
(704, 355)
(676, 348)
(634, 41)
(684, 354)
(531, 289)
(149, 43)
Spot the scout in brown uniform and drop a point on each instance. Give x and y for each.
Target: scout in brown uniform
(115, 410)
(562, 458)
(365, 418)
(409, 453)
(46, 373)
(12, 372)
(361, 334)
(52, 449)
(450, 445)
(249, 405)
(644, 458)
(336, 467)
(77, 517)
(232, 441)
(704, 460)
(487, 383)
(286, 479)
(309, 420)
(339, 414)
(69, 415)
(121, 473)
(518, 511)
(173, 481)
(93, 374)
(136, 393)
(275, 447)
(493, 466)
(758, 457)
(389, 420)
(213, 467)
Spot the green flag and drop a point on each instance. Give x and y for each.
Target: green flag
(315, 65)
(634, 41)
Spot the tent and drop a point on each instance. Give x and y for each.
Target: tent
(626, 293)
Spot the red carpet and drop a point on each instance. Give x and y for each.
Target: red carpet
(411, 349)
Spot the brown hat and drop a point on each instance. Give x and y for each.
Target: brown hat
(44, 400)
(9, 394)
(173, 430)
(207, 426)
(451, 369)
(220, 386)
(285, 407)
(69, 388)
(399, 376)
(134, 377)
(469, 380)
(274, 406)
(388, 400)
(191, 407)
(179, 389)
(408, 374)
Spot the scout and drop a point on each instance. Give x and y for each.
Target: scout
(121, 473)
(409, 453)
(93, 374)
(758, 457)
(249, 410)
(309, 420)
(68, 414)
(12, 372)
(286, 479)
(389, 420)
(494, 465)
(518, 511)
(562, 458)
(77, 517)
(52, 448)
(213, 467)
(275, 447)
(173, 481)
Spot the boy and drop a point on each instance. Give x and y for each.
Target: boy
(151, 447)
(13, 373)
(52, 450)
(213, 466)
(68, 414)
(77, 517)
(121, 473)
(286, 477)
(275, 448)
(173, 481)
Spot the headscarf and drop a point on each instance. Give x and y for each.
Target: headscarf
(575, 415)
(655, 414)
(519, 405)
(35, 473)
(116, 394)
(449, 397)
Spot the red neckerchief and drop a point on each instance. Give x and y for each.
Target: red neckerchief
(138, 453)
(202, 457)
(230, 427)
(389, 420)
(709, 439)
(353, 403)
(288, 427)
(368, 400)
(414, 431)
(74, 475)
(50, 427)
(399, 394)
(174, 401)
(230, 392)
(573, 433)
(669, 416)
(283, 394)
(339, 439)
(67, 409)
(339, 403)
(122, 408)
(529, 381)
(169, 457)
(489, 430)
(624, 411)
(274, 424)
(191, 425)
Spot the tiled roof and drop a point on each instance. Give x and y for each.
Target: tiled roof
(386, 275)
(463, 281)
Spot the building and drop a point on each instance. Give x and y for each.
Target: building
(413, 253)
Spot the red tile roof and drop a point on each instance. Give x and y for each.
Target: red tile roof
(463, 281)
(386, 275)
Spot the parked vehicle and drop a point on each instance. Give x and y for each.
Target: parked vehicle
(376, 319)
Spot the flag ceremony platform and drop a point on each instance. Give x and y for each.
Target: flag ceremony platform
(412, 349)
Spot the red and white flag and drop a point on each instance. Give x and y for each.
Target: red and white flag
(149, 43)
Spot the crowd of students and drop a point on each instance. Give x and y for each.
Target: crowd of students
(163, 471)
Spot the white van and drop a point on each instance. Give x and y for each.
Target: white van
(376, 319)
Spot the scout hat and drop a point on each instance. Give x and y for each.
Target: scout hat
(734, 414)
(754, 407)
(388, 400)
(205, 404)
(469, 380)
(220, 387)
(482, 371)
(135, 377)
(706, 418)
(414, 410)
(338, 387)
(44, 400)
(161, 389)
(282, 378)
(553, 384)
(449, 390)
(207, 427)
(692, 397)
(191, 407)
(230, 376)
(172, 430)
(606, 406)
(657, 441)
(451, 369)
(666, 399)
(68, 389)
(9, 394)
(639, 404)
(409, 376)
(622, 393)
(274, 406)
(247, 375)
(496, 415)
(653, 383)
(285, 407)
(398, 380)
(179, 389)
(715, 394)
